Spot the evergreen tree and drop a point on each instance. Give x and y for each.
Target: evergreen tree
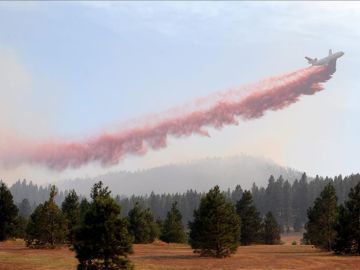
(259, 196)
(99, 191)
(250, 219)
(236, 194)
(172, 228)
(84, 207)
(8, 213)
(216, 226)
(269, 195)
(348, 227)
(300, 202)
(142, 225)
(320, 229)
(20, 225)
(160, 224)
(102, 240)
(154, 229)
(71, 209)
(25, 208)
(271, 230)
(275, 198)
(47, 226)
(287, 206)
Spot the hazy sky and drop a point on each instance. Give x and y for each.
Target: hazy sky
(71, 70)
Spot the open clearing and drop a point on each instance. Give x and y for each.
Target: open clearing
(15, 256)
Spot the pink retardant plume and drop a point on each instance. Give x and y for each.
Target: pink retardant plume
(223, 109)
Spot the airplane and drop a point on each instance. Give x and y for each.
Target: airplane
(329, 60)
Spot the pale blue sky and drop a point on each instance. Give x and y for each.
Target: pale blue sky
(74, 69)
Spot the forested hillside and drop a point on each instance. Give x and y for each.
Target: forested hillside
(201, 175)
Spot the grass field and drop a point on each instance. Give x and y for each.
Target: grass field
(15, 256)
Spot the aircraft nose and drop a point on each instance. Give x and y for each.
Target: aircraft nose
(342, 53)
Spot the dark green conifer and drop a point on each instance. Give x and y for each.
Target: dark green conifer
(216, 226)
(322, 218)
(173, 228)
(102, 240)
(8, 213)
(84, 207)
(142, 225)
(250, 220)
(348, 227)
(71, 209)
(19, 230)
(271, 230)
(47, 226)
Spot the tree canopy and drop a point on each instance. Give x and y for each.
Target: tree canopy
(348, 227)
(102, 240)
(8, 213)
(320, 229)
(172, 228)
(271, 230)
(71, 209)
(216, 226)
(47, 226)
(250, 219)
(142, 225)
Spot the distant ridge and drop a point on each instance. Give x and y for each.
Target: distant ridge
(199, 175)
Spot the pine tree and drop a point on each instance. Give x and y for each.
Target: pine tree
(275, 198)
(102, 240)
(20, 225)
(236, 194)
(216, 226)
(348, 227)
(320, 229)
(154, 229)
(8, 213)
(287, 206)
(142, 225)
(271, 230)
(25, 208)
(250, 220)
(138, 226)
(259, 196)
(84, 207)
(172, 228)
(47, 226)
(300, 201)
(71, 209)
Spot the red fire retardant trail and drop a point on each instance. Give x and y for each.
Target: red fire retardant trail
(226, 108)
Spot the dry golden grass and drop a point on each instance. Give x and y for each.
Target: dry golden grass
(161, 256)
(15, 256)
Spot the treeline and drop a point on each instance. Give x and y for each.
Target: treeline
(287, 201)
(102, 238)
(33, 193)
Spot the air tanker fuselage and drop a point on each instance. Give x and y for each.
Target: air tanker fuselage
(329, 60)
